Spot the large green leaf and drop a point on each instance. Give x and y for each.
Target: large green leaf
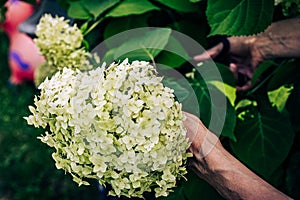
(239, 17)
(180, 5)
(213, 108)
(223, 75)
(262, 70)
(77, 10)
(171, 59)
(286, 73)
(96, 8)
(194, 188)
(89, 9)
(144, 47)
(293, 107)
(195, 27)
(197, 188)
(228, 90)
(264, 138)
(132, 7)
(293, 176)
(230, 120)
(121, 24)
(179, 87)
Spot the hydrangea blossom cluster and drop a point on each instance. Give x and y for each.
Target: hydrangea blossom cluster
(61, 44)
(118, 124)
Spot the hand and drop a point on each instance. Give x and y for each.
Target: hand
(280, 40)
(220, 169)
(244, 58)
(203, 141)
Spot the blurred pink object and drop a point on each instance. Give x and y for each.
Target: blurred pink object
(24, 56)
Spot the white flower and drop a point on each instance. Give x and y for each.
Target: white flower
(61, 46)
(119, 125)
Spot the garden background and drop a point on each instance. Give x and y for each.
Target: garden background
(271, 108)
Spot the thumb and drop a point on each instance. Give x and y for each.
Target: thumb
(209, 54)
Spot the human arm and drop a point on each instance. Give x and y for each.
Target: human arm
(218, 167)
(280, 40)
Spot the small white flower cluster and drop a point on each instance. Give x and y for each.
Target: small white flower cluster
(119, 125)
(61, 44)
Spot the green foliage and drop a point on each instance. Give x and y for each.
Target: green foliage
(261, 126)
(89, 9)
(293, 107)
(293, 175)
(173, 60)
(290, 8)
(239, 17)
(131, 7)
(179, 5)
(120, 25)
(194, 188)
(260, 130)
(143, 47)
(287, 72)
(257, 124)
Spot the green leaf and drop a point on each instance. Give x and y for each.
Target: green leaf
(171, 59)
(196, 188)
(228, 90)
(77, 10)
(181, 93)
(108, 57)
(195, 1)
(195, 27)
(180, 5)
(215, 110)
(239, 17)
(132, 7)
(287, 73)
(230, 121)
(279, 97)
(96, 7)
(192, 189)
(144, 47)
(261, 70)
(293, 176)
(264, 138)
(224, 74)
(118, 25)
(89, 9)
(293, 107)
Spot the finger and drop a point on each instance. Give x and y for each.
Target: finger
(234, 69)
(191, 124)
(245, 87)
(209, 54)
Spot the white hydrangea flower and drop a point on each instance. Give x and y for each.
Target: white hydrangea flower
(61, 44)
(119, 125)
